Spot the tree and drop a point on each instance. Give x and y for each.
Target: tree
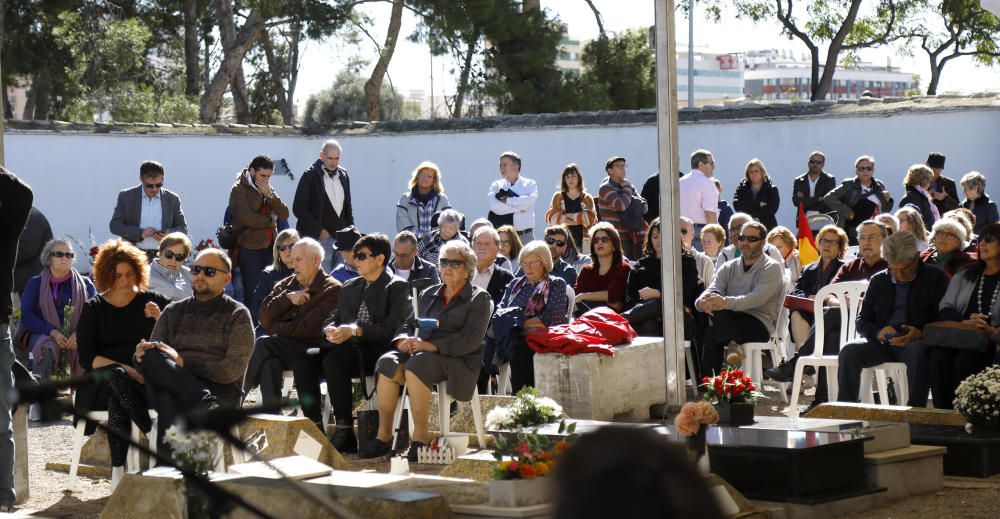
(373, 87)
(969, 30)
(346, 101)
(624, 68)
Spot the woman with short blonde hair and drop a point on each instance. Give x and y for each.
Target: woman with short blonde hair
(425, 197)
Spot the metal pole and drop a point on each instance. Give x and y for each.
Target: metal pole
(2, 115)
(690, 53)
(666, 126)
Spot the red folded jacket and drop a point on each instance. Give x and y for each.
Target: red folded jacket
(593, 332)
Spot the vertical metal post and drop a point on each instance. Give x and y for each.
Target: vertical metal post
(4, 92)
(690, 53)
(666, 126)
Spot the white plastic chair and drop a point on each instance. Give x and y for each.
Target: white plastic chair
(689, 359)
(754, 367)
(132, 460)
(444, 413)
(849, 294)
(896, 370)
(328, 405)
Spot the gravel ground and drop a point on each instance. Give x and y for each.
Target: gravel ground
(50, 496)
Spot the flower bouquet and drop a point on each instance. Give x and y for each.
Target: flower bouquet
(196, 452)
(691, 422)
(529, 409)
(978, 398)
(519, 476)
(734, 395)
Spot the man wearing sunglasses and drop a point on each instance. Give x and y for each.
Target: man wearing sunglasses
(557, 238)
(294, 313)
(743, 301)
(810, 187)
(199, 348)
(146, 213)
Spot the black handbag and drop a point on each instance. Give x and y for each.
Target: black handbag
(227, 235)
(367, 419)
(955, 335)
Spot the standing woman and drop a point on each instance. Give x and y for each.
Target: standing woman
(572, 206)
(510, 245)
(860, 198)
(43, 305)
(425, 197)
(280, 269)
(756, 195)
(917, 182)
(167, 274)
(602, 283)
(111, 325)
(256, 209)
(977, 201)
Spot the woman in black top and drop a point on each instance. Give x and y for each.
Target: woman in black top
(756, 195)
(572, 206)
(111, 324)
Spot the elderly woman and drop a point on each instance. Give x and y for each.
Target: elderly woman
(756, 195)
(256, 209)
(110, 327)
(448, 225)
(858, 199)
(890, 222)
(543, 298)
(572, 206)
(910, 221)
(167, 274)
(425, 197)
(510, 245)
(450, 352)
(705, 263)
(602, 283)
(782, 238)
(948, 243)
(972, 298)
(832, 242)
(977, 201)
(713, 239)
(280, 269)
(917, 182)
(50, 310)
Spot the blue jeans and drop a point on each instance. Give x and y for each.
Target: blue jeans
(252, 263)
(6, 421)
(331, 258)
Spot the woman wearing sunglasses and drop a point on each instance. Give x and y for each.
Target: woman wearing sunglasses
(44, 304)
(167, 274)
(280, 269)
(602, 283)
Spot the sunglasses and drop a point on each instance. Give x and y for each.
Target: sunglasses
(557, 243)
(684, 231)
(600, 239)
(208, 271)
(152, 186)
(815, 161)
(986, 238)
(171, 255)
(361, 256)
(283, 248)
(866, 168)
(751, 239)
(453, 263)
(60, 254)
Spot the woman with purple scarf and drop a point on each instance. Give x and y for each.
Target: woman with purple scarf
(50, 310)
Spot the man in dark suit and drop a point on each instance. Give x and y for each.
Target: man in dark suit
(489, 276)
(942, 189)
(809, 188)
(323, 201)
(146, 213)
(899, 302)
(406, 264)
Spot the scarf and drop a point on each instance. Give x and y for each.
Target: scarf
(930, 200)
(540, 294)
(421, 198)
(47, 304)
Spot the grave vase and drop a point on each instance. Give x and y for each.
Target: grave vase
(697, 449)
(196, 500)
(512, 493)
(733, 413)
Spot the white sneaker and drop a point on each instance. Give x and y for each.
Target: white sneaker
(35, 413)
(117, 473)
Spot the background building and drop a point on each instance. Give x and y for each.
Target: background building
(773, 75)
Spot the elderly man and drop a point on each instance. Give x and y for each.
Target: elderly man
(743, 300)
(512, 198)
(146, 213)
(371, 308)
(198, 351)
(897, 305)
(407, 263)
(323, 201)
(733, 250)
(345, 240)
(294, 313)
(490, 276)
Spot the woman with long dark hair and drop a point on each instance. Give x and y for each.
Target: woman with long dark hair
(572, 206)
(256, 209)
(602, 283)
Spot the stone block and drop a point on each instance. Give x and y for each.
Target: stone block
(887, 413)
(146, 496)
(21, 481)
(910, 471)
(282, 432)
(95, 450)
(598, 387)
(477, 466)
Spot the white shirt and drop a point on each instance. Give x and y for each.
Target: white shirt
(698, 196)
(522, 207)
(150, 216)
(334, 190)
(405, 274)
(482, 278)
(812, 192)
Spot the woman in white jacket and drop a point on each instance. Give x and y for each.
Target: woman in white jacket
(426, 197)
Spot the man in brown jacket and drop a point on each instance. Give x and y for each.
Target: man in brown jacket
(294, 313)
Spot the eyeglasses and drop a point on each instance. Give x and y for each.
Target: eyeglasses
(557, 243)
(601, 239)
(283, 248)
(361, 256)
(866, 168)
(751, 239)
(152, 186)
(171, 255)
(453, 263)
(402, 255)
(505, 242)
(61, 254)
(813, 161)
(684, 231)
(826, 241)
(208, 271)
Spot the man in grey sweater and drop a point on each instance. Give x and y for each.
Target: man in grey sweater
(743, 300)
(199, 349)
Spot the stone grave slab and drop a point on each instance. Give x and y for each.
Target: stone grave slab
(883, 435)
(477, 466)
(294, 467)
(913, 470)
(282, 435)
(887, 413)
(22, 487)
(972, 454)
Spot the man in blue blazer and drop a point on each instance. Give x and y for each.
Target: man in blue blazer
(146, 213)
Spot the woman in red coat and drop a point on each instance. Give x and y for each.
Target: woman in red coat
(602, 283)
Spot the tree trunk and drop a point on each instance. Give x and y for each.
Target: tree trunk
(463, 78)
(232, 61)
(274, 71)
(819, 90)
(373, 86)
(191, 87)
(935, 75)
(238, 85)
(287, 114)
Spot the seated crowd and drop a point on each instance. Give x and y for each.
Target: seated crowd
(325, 301)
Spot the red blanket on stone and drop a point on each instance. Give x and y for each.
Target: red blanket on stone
(593, 332)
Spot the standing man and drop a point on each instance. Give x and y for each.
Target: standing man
(323, 202)
(942, 189)
(147, 212)
(15, 204)
(512, 198)
(407, 264)
(617, 204)
(809, 188)
(699, 196)
(651, 194)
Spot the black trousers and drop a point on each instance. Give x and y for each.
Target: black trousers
(342, 363)
(272, 355)
(831, 346)
(949, 367)
(173, 390)
(728, 325)
(859, 354)
(126, 404)
(522, 366)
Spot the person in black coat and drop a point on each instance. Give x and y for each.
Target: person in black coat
(917, 181)
(280, 269)
(651, 194)
(407, 263)
(37, 232)
(942, 188)
(976, 200)
(899, 302)
(810, 187)
(757, 196)
(323, 201)
(858, 199)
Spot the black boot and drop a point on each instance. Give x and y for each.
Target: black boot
(784, 372)
(343, 440)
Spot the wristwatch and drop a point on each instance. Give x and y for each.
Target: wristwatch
(356, 331)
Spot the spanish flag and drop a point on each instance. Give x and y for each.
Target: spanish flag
(807, 243)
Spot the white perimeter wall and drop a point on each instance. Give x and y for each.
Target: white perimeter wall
(75, 176)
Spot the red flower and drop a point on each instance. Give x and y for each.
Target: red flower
(514, 466)
(94, 250)
(523, 448)
(528, 471)
(705, 380)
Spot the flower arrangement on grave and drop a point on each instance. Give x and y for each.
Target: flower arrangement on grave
(978, 398)
(194, 451)
(530, 455)
(529, 409)
(730, 386)
(693, 416)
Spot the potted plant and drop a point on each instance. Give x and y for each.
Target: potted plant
(520, 476)
(733, 394)
(692, 421)
(529, 409)
(196, 452)
(978, 398)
